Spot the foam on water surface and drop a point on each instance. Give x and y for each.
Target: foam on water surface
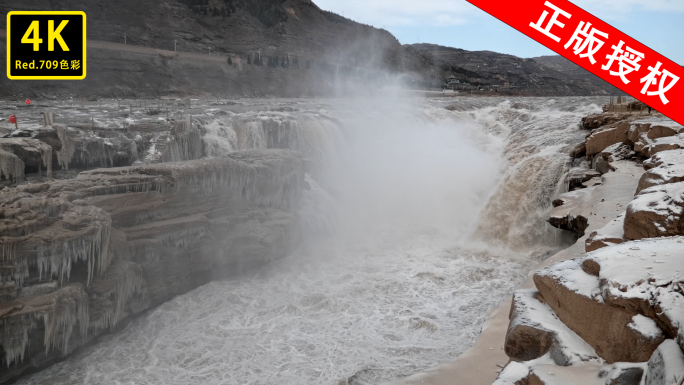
(318, 317)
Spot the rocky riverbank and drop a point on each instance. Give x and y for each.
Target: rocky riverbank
(607, 310)
(84, 249)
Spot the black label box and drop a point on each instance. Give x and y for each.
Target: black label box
(44, 45)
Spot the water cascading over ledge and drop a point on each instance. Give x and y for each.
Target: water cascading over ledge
(81, 255)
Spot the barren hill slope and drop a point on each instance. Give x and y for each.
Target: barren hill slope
(304, 51)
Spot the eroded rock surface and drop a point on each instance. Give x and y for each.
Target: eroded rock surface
(598, 120)
(604, 137)
(575, 298)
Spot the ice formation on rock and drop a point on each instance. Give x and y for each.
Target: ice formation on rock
(112, 291)
(32, 152)
(68, 265)
(59, 311)
(11, 167)
(88, 149)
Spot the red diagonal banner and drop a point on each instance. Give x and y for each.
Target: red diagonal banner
(599, 48)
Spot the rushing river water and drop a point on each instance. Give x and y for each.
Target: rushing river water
(419, 220)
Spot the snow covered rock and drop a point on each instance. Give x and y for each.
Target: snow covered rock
(602, 165)
(611, 234)
(572, 210)
(617, 151)
(665, 158)
(598, 140)
(655, 132)
(535, 330)
(666, 365)
(575, 297)
(657, 211)
(54, 316)
(661, 144)
(644, 277)
(622, 373)
(579, 175)
(661, 175)
(635, 131)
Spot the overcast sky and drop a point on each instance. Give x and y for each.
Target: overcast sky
(658, 24)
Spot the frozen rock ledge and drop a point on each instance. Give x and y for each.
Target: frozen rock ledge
(81, 256)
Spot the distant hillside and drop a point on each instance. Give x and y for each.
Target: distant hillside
(550, 75)
(310, 52)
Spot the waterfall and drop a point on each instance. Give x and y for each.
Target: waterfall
(419, 218)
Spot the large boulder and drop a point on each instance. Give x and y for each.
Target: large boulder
(599, 139)
(661, 175)
(657, 211)
(534, 331)
(617, 334)
(656, 132)
(644, 277)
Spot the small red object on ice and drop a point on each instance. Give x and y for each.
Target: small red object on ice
(12, 119)
(28, 101)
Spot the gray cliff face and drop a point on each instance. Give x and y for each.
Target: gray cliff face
(82, 255)
(86, 250)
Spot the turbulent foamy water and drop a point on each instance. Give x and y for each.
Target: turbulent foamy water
(388, 281)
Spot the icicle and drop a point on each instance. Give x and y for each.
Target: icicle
(59, 311)
(66, 153)
(11, 167)
(109, 306)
